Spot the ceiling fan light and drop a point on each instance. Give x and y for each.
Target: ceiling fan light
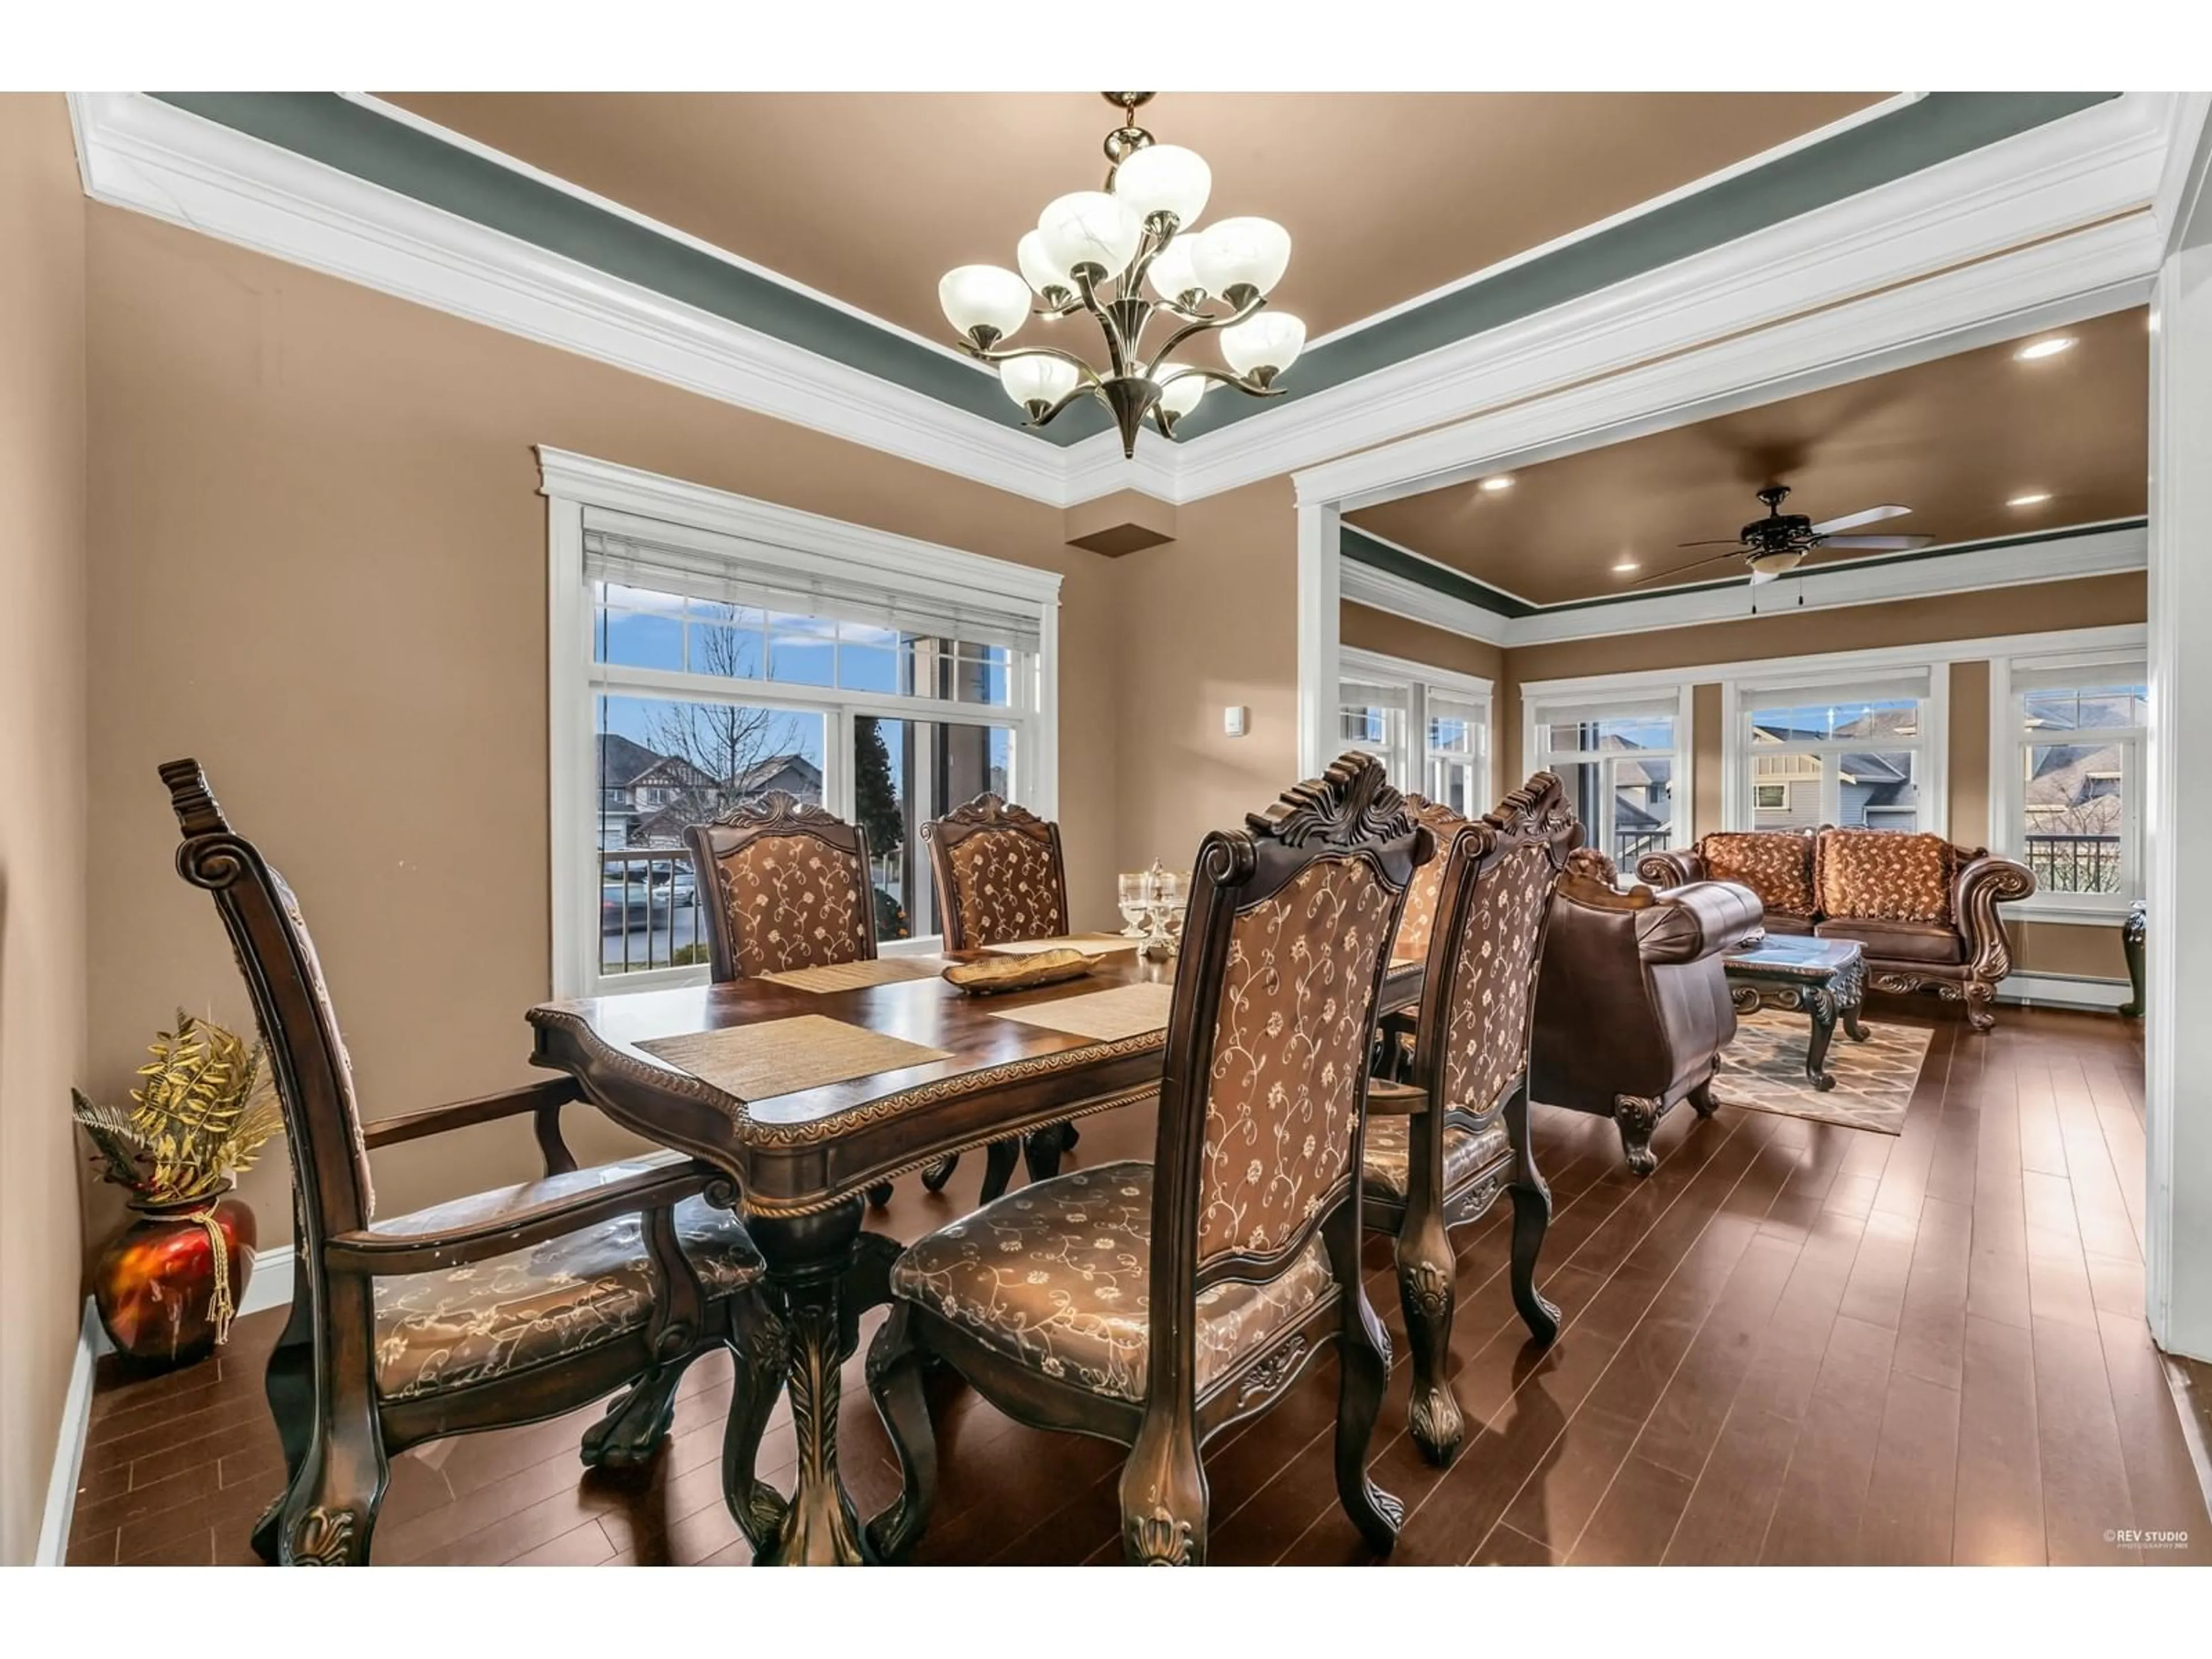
(1173, 273)
(1263, 346)
(1031, 381)
(1243, 253)
(1180, 394)
(1771, 565)
(986, 303)
(1166, 179)
(1089, 228)
(1043, 273)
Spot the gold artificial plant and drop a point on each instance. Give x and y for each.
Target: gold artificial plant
(204, 1113)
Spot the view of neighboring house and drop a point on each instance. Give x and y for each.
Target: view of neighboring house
(1873, 788)
(646, 798)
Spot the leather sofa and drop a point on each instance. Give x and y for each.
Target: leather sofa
(1632, 1007)
(1924, 909)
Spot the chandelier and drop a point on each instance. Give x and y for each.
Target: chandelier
(1098, 251)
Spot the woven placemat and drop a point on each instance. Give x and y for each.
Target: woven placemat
(1090, 944)
(1127, 1010)
(784, 1056)
(859, 976)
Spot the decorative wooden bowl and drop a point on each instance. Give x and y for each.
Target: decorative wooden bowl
(996, 975)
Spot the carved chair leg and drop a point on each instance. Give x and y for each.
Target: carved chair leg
(1637, 1116)
(1532, 1218)
(1363, 1373)
(1069, 1136)
(1164, 1497)
(934, 1176)
(1980, 994)
(328, 1516)
(896, 1366)
(879, 1194)
(1426, 1294)
(999, 1160)
(637, 1420)
(290, 1384)
(760, 1354)
(1040, 1151)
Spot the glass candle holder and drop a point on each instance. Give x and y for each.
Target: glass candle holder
(1136, 899)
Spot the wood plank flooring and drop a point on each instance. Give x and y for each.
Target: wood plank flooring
(1795, 1343)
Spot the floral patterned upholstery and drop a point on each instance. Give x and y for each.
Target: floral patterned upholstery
(1007, 885)
(1486, 1026)
(1885, 875)
(312, 965)
(1055, 1276)
(1776, 864)
(449, 1329)
(1466, 1152)
(793, 901)
(1416, 920)
(1290, 1041)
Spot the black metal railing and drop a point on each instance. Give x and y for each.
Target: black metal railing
(649, 911)
(2075, 864)
(1635, 843)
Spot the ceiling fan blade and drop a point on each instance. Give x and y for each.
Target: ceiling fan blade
(1681, 569)
(1718, 541)
(1853, 521)
(1890, 543)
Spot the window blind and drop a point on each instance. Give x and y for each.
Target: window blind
(2067, 677)
(1908, 685)
(1666, 706)
(772, 579)
(1365, 694)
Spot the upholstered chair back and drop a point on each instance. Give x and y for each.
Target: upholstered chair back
(1264, 1084)
(783, 885)
(1419, 921)
(284, 975)
(1494, 895)
(998, 875)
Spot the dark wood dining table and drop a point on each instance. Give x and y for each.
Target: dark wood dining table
(798, 1163)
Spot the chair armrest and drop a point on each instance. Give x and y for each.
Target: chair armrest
(1677, 868)
(543, 1099)
(1389, 1099)
(1980, 886)
(1688, 924)
(385, 1254)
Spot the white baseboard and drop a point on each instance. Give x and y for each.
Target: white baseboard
(69, 1444)
(270, 1286)
(2064, 991)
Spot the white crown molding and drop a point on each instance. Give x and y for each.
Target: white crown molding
(140, 154)
(2186, 163)
(1381, 589)
(2102, 553)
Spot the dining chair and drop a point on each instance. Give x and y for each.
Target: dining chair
(1000, 878)
(1443, 1145)
(1394, 1050)
(1154, 1305)
(501, 1307)
(789, 887)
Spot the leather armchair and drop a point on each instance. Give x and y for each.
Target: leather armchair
(1632, 1007)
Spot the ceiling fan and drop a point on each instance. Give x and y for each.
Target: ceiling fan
(1776, 544)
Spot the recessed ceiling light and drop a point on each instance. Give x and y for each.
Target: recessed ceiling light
(2049, 347)
(1495, 483)
(2033, 498)
(1625, 567)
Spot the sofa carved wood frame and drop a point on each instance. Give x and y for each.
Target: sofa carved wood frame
(720, 849)
(1980, 882)
(337, 1427)
(1326, 827)
(1473, 1028)
(991, 827)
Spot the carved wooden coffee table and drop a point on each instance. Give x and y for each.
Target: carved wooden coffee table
(1825, 978)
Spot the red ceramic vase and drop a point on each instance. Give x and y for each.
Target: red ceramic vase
(156, 1287)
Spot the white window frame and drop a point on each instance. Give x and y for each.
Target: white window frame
(1419, 681)
(1740, 691)
(697, 517)
(1544, 704)
(2009, 741)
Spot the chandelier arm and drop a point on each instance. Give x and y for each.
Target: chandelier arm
(1090, 390)
(1149, 248)
(1223, 377)
(1089, 374)
(1117, 349)
(1201, 325)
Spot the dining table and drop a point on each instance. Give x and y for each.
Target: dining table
(796, 1161)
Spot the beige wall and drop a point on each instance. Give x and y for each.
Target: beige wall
(42, 791)
(319, 564)
(1367, 629)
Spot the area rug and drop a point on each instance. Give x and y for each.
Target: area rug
(1765, 1069)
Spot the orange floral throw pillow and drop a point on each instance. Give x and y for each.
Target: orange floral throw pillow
(1776, 865)
(1884, 875)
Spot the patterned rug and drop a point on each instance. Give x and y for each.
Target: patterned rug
(1765, 1069)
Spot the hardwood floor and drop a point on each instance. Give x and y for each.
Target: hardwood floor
(1793, 1343)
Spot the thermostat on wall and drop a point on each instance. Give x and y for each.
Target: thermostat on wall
(1235, 719)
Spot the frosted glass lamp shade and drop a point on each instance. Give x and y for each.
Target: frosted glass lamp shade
(1181, 395)
(1167, 179)
(1263, 346)
(1031, 380)
(986, 303)
(1173, 274)
(1767, 566)
(1039, 269)
(1237, 254)
(1090, 227)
